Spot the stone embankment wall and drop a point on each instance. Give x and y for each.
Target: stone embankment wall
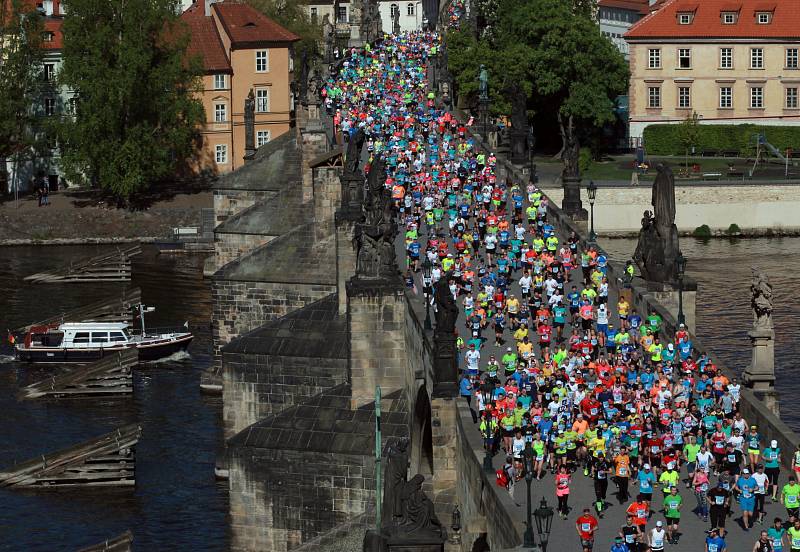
(755, 208)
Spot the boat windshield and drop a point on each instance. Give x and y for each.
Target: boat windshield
(49, 339)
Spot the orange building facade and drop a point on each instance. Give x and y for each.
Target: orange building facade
(241, 50)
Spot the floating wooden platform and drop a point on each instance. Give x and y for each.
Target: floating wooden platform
(119, 308)
(120, 543)
(106, 461)
(108, 267)
(109, 376)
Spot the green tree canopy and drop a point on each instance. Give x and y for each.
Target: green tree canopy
(137, 110)
(21, 30)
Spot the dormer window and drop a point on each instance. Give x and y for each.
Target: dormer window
(684, 18)
(763, 18)
(729, 18)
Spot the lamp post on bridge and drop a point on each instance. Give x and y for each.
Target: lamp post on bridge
(529, 540)
(426, 290)
(591, 191)
(680, 270)
(544, 521)
(531, 148)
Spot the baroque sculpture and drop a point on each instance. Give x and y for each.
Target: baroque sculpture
(446, 308)
(761, 300)
(483, 84)
(374, 238)
(407, 511)
(658, 238)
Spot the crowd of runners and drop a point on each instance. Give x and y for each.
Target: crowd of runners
(557, 364)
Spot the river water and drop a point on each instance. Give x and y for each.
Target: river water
(177, 504)
(722, 270)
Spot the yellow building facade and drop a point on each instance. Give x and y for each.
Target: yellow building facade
(728, 62)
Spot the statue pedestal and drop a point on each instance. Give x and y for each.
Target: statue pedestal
(445, 365)
(572, 204)
(760, 374)
(375, 542)
(518, 154)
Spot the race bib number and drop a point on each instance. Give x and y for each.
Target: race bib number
(719, 500)
(586, 527)
(641, 514)
(629, 539)
(791, 500)
(623, 472)
(713, 547)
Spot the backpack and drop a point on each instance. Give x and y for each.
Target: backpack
(501, 477)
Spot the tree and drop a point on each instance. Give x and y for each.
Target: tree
(21, 29)
(689, 134)
(137, 115)
(572, 67)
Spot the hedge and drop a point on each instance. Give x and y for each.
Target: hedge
(665, 139)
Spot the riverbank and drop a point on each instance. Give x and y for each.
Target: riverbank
(81, 218)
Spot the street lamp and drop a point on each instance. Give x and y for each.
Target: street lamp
(591, 191)
(531, 147)
(680, 269)
(426, 290)
(544, 519)
(529, 540)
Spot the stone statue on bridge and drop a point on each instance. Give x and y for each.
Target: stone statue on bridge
(374, 237)
(446, 308)
(353, 159)
(395, 478)
(658, 239)
(483, 84)
(762, 300)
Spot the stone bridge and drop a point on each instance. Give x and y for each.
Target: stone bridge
(300, 344)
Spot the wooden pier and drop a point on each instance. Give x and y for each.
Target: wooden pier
(106, 461)
(108, 267)
(120, 543)
(113, 309)
(110, 376)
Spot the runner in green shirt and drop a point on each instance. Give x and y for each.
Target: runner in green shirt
(791, 497)
(794, 536)
(690, 451)
(672, 511)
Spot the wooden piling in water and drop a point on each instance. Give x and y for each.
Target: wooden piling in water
(120, 543)
(108, 267)
(113, 309)
(105, 461)
(109, 376)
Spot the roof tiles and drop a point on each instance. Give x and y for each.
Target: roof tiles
(205, 40)
(248, 27)
(707, 20)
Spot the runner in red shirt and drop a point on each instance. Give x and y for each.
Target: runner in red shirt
(586, 525)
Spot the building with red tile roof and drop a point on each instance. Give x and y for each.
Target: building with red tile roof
(240, 49)
(729, 61)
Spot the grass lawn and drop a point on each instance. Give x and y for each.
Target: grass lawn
(621, 167)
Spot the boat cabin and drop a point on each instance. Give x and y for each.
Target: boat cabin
(79, 335)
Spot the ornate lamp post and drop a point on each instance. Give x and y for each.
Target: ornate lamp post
(529, 540)
(591, 191)
(680, 270)
(544, 520)
(426, 290)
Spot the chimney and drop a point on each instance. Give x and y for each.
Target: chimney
(208, 7)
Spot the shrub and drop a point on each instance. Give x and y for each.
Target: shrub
(702, 232)
(666, 139)
(733, 230)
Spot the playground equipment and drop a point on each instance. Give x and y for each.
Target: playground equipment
(762, 147)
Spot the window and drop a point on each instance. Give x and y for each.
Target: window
(314, 15)
(262, 137)
(118, 336)
(653, 97)
(684, 97)
(726, 58)
(791, 98)
(654, 58)
(49, 71)
(220, 112)
(49, 106)
(684, 58)
(756, 58)
(221, 154)
(72, 105)
(763, 18)
(684, 18)
(219, 82)
(410, 9)
(341, 14)
(81, 337)
(729, 18)
(756, 97)
(48, 36)
(791, 58)
(262, 63)
(262, 100)
(99, 337)
(725, 97)
(393, 9)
